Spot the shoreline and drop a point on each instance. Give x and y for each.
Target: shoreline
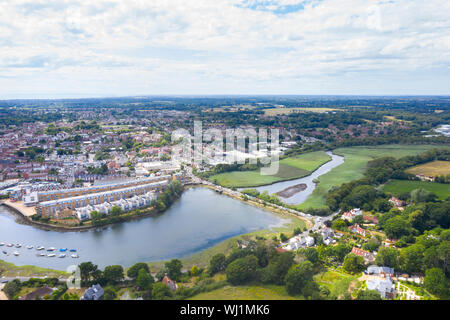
(41, 225)
(284, 180)
(26, 220)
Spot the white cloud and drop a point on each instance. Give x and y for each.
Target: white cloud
(220, 46)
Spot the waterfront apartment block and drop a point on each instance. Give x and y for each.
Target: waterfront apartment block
(75, 192)
(52, 208)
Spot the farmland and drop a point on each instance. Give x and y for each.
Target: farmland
(397, 187)
(353, 168)
(283, 111)
(289, 168)
(433, 168)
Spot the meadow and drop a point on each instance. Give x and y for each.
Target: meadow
(353, 168)
(397, 187)
(289, 168)
(249, 292)
(433, 168)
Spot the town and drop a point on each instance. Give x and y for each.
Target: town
(380, 232)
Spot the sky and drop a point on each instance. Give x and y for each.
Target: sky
(78, 48)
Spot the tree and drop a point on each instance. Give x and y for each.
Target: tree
(12, 288)
(387, 257)
(133, 271)
(242, 270)
(195, 271)
(339, 224)
(113, 274)
(283, 237)
(368, 295)
(109, 293)
(422, 195)
(397, 227)
(86, 271)
(353, 263)
(144, 281)
(443, 254)
(278, 267)
(161, 292)
(411, 258)
(216, 264)
(174, 269)
(435, 281)
(116, 210)
(312, 255)
(298, 276)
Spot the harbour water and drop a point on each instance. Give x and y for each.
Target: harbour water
(200, 219)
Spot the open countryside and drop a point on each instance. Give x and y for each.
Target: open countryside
(434, 168)
(289, 168)
(353, 168)
(397, 187)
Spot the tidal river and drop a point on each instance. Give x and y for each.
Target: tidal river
(308, 181)
(200, 219)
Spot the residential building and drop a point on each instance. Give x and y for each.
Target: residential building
(93, 293)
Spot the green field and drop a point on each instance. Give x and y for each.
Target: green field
(397, 187)
(256, 292)
(353, 168)
(289, 168)
(338, 282)
(433, 168)
(8, 269)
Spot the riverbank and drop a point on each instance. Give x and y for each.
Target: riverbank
(23, 219)
(290, 168)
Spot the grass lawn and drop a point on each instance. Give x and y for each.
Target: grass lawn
(397, 187)
(338, 282)
(434, 168)
(8, 269)
(251, 292)
(353, 168)
(289, 168)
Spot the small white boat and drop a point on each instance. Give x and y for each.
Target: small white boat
(75, 256)
(16, 253)
(40, 248)
(51, 249)
(51, 255)
(2, 244)
(62, 255)
(30, 247)
(40, 255)
(10, 245)
(18, 245)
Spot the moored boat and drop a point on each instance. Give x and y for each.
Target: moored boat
(40, 255)
(63, 250)
(51, 249)
(5, 252)
(18, 245)
(40, 248)
(51, 255)
(73, 250)
(16, 253)
(75, 256)
(2, 244)
(30, 247)
(10, 245)
(62, 255)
